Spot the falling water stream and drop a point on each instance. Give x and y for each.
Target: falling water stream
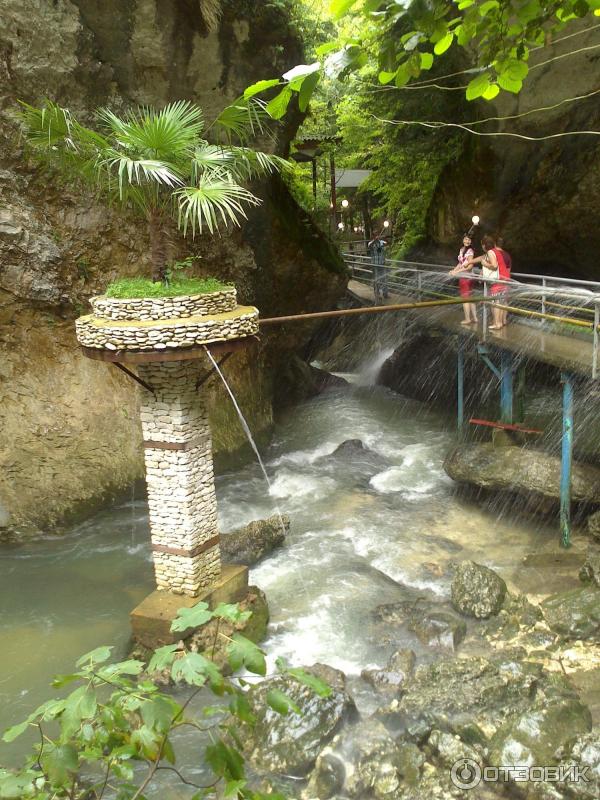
(373, 522)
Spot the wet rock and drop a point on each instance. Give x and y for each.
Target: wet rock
(290, 744)
(439, 629)
(456, 692)
(434, 624)
(590, 571)
(477, 591)
(593, 524)
(450, 748)
(390, 679)
(520, 470)
(328, 777)
(254, 541)
(353, 463)
(574, 614)
(533, 737)
(298, 381)
(584, 752)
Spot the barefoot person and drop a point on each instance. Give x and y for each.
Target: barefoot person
(493, 268)
(465, 284)
(505, 277)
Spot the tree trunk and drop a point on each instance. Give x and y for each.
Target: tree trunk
(158, 247)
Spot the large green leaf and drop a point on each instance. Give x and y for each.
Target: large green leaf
(277, 107)
(60, 763)
(242, 652)
(232, 613)
(307, 89)
(97, 656)
(281, 703)
(163, 657)
(80, 704)
(478, 85)
(340, 7)
(261, 86)
(192, 617)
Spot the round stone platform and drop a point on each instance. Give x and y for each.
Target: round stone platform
(173, 334)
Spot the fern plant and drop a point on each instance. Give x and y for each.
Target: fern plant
(161, 162)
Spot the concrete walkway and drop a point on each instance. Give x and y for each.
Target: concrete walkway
(569, 351)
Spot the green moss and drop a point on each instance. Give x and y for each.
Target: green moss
(143, 287)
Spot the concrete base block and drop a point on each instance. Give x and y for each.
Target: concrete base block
(151, 620)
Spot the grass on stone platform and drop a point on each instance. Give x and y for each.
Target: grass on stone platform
(133, 288)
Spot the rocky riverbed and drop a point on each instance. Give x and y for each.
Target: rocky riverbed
(503, 682)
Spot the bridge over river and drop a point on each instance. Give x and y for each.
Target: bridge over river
(552, 320)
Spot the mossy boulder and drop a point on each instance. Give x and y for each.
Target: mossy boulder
(574, 614)
(477, 591)
(534, 737)
(290, 744)
(254, 541)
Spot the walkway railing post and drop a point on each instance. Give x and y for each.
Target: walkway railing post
(543, 298)
(566, 460)
(595, 349)
(419, 284)
(460, 386)
(485, 310)
(506, 386)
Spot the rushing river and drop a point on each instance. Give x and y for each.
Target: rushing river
(368, 527)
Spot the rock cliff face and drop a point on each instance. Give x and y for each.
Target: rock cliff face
(542, 195)
(68, 427)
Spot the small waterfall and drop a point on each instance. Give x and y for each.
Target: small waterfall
(247, 431)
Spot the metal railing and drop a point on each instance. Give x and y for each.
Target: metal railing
(563, 305)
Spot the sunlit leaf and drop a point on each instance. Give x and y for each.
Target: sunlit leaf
(443, 44)
(478, 85)
(243, 652)
(277, 107)
(163, 657)
(193, 617)
(260, 86)
(281, 703)
(340, 7)
(97, 656)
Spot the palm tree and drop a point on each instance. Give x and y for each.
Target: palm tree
(160, 162)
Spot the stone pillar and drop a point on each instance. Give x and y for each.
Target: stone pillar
(179, 476)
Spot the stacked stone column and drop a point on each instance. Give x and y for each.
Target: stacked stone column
(179, 476)
(165, 338)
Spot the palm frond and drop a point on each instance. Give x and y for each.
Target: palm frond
(251, 163)
(217, 199)
(138, 171)
(244, 118)
(170, 134)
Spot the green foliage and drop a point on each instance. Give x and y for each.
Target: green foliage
(116, 718)
(143, 287)
(160, 162)
(402, 40)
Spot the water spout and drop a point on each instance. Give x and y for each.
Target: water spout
(248, 433)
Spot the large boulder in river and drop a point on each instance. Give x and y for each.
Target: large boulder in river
(520, 470)
(477, 591)
(574, 614)
(471, 694)
(533, 737)
(434, 624)
(290, 744)
(590, 571)
(593, 524)
(254, 541)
